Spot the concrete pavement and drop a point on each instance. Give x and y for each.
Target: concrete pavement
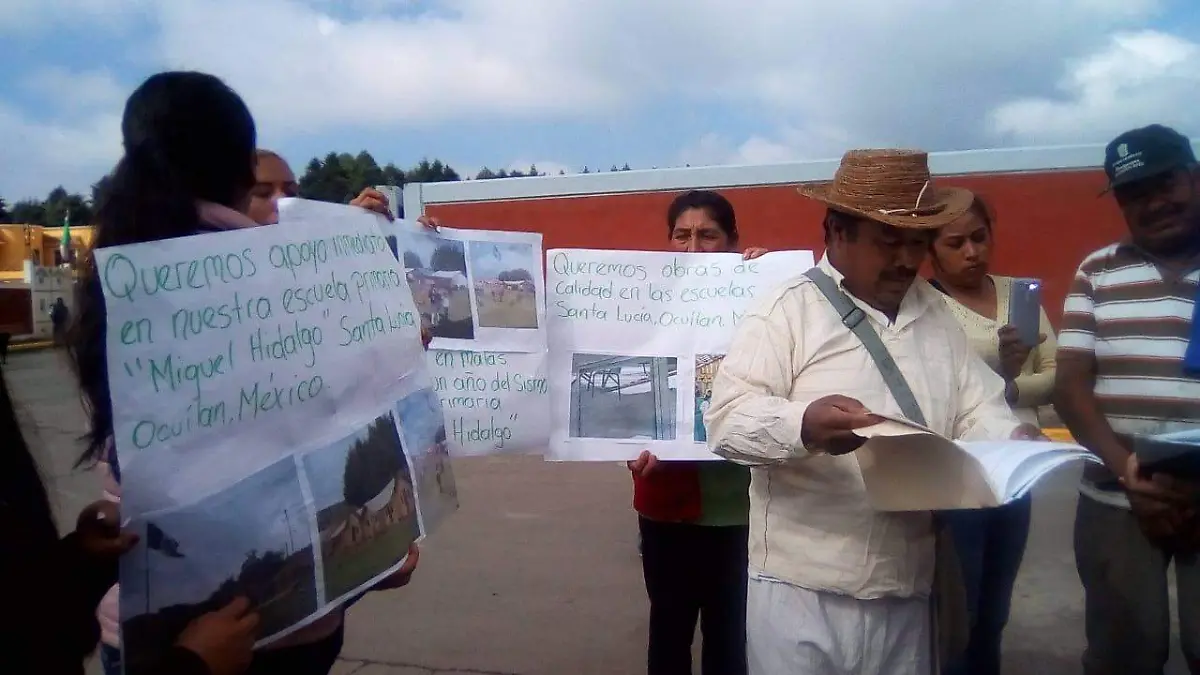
(538, 574)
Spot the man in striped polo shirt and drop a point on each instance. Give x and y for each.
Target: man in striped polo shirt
(1126, 325)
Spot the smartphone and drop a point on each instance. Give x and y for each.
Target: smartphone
(1025, 309)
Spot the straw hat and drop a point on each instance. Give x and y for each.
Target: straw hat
(891, 187)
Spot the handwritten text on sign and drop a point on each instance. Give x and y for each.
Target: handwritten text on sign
(215, 330)
(494, 402)
(661, 290)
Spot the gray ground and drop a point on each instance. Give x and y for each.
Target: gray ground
(538, 574)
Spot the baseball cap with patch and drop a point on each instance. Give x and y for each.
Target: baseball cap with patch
(1145, 152)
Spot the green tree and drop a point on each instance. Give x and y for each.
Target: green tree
(393, 175)
(448, 258)
(28, 212)
(372, 463)
(60, 204)
(412, 261)
(326, 180)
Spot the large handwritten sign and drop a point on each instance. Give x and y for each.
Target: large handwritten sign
(635, 338)
(265, 331)
(277, 428)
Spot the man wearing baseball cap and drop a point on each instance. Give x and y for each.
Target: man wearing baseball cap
(1126, 325)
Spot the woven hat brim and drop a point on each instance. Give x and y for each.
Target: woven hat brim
(951, 203)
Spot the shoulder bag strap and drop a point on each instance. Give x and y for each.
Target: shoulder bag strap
(856, 320)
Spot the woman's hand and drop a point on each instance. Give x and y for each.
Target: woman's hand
(753, 252)
(402, 576)
(99, 531)
(430, 222)
(644, 465)
(373, 200)
(223, 639)
(1013, 352)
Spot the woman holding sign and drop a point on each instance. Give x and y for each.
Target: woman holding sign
(693, 517)
(188, 168)
(991, 542)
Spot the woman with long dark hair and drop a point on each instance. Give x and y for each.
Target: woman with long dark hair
(188, 168)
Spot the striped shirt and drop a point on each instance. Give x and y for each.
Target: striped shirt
(1134, 315)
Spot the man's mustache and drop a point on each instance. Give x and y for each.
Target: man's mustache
(898, 275)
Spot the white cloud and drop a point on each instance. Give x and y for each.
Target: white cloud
(817, 77)
(1137, 79)
(43, 154)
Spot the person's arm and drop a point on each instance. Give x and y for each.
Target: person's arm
(1075, 379)
(1036, 389)
(982, 414)
(750, 419)
(52, 588)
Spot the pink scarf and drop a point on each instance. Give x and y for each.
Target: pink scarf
(222, 217)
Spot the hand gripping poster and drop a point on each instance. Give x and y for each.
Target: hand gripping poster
(635, 340)
(274, 420)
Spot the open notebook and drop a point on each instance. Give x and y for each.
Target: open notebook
(907, 467)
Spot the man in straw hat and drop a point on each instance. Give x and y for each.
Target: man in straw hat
(835, 586)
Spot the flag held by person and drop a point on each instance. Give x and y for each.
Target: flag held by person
(157, 540)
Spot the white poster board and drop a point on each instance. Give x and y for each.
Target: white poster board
(495, 402)
(634, 335)
(275, 422)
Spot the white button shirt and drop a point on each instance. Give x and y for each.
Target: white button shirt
(810, 522)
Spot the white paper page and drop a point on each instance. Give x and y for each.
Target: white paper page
(274, 418)
(908, 470)
(920, 472)
(478, 290)
(1013, 467)
(632, 334)
(495, 402)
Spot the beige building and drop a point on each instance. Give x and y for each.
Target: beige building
(32, 276)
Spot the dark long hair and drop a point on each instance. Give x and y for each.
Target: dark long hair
(21, 486)
(187, 137)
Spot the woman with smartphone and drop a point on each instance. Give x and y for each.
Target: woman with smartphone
(1006, 325)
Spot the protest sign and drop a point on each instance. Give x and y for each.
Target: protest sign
(495, 402)
(495, 399)
(635, 338)
(275, 422)
(476, 289)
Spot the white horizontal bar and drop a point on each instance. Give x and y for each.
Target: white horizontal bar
(956, 163)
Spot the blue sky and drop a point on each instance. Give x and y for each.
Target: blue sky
(215, 535)
(488, 259)
(563, 85)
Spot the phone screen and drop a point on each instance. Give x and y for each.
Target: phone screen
(1025, 309)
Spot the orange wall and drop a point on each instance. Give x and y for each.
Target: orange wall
(1045, 222)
